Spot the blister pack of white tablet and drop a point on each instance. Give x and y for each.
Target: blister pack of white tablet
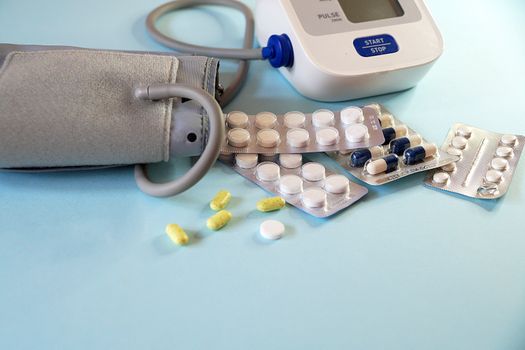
(309, 186)
(486, 165)
(404, 152)
(296, 132)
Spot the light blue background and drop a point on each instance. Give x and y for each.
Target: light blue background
(85, 263)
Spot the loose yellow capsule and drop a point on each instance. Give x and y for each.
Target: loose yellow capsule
(219, 220)
(221, 200)
(177, 234)
(271, 204)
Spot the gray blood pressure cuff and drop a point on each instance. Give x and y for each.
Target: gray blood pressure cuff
(66, 107)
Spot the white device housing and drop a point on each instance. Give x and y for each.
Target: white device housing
(327, 65)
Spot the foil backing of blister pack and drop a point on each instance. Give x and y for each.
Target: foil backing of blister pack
(334, 203)
(440, 159)
(370, 121)
(482, 158)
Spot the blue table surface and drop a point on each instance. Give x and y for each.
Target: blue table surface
(85, 263)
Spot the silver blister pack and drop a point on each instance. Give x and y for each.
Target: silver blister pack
(297, 132)
(487, 162)
(309, 186)
(402, 145)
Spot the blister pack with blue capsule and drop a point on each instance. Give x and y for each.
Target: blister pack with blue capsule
(404, 152)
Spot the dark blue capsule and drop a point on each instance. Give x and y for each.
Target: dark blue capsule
(392, 162)
(398, 146)
(415, 155)
(390, 134)
(360, 157)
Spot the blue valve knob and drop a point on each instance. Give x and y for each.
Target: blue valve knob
(279, 51)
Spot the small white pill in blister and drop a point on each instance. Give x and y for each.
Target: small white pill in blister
(265, 120)
(268, 171)
(386, 120)
(454, 151)
(499, 164)
(313, 171)
(327, 136)
(459, 142)
(271, 229)
(297, 137)
(509, 140)
(246, 160)
(356, 133)
(322, 118)
(237, 119)
(238, 137)
(464, 131)
(352, 115)
(268, 138)
(314, 197)
(504, 151)
(441, 178)
(291, 184)
(290, 161)
(493, 176)
(294, 120)
(450, 167)
(336, 184)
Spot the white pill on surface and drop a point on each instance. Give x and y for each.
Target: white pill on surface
(313, 171)
(268, 138)
(454, 151)
(499, 163)
(459, 142)
(327, 136)
(265, 120)
(238, 137)
(440, 178)
(297, 137)
(268, 171)
(352, 115)
(356, 133)
(336, 184)
(493, 176)
(246, 160)
(464, 131)
(314, 197)
(271, 229)
(294, 120)
(237, 119)
(504, 151)
(323, 118)
(291, 184)
(509, 140)
(450, 167)
(290, 161)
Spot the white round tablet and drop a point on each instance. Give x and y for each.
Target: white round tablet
(297, 137)
(237, 119)
(352, 115)
(356, 133)
(271, 229)
(268, 171)
(327, 136)
(323, 118)
(265, 120)
(504, 151)
(509, 140)
(290, 161)
(268, 138)
(499, 163)
(314, 197)
(313, 171)
(246, 160)
(336, 184)
(238, 137)
(294, 119)
(454, 151)
(450, 167)
(493, 176)
(291, 184)
(464, 131)
(459, 142)
(440, 178)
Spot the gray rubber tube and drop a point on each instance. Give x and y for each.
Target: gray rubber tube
(208, 156)
(247, 52)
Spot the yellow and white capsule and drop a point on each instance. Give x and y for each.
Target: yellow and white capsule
(271, 204)
(177, 234)
(219, 220)
(221, 200)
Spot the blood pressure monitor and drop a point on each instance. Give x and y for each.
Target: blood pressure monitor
(348, 49)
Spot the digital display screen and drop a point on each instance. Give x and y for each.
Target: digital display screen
(358, 11)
